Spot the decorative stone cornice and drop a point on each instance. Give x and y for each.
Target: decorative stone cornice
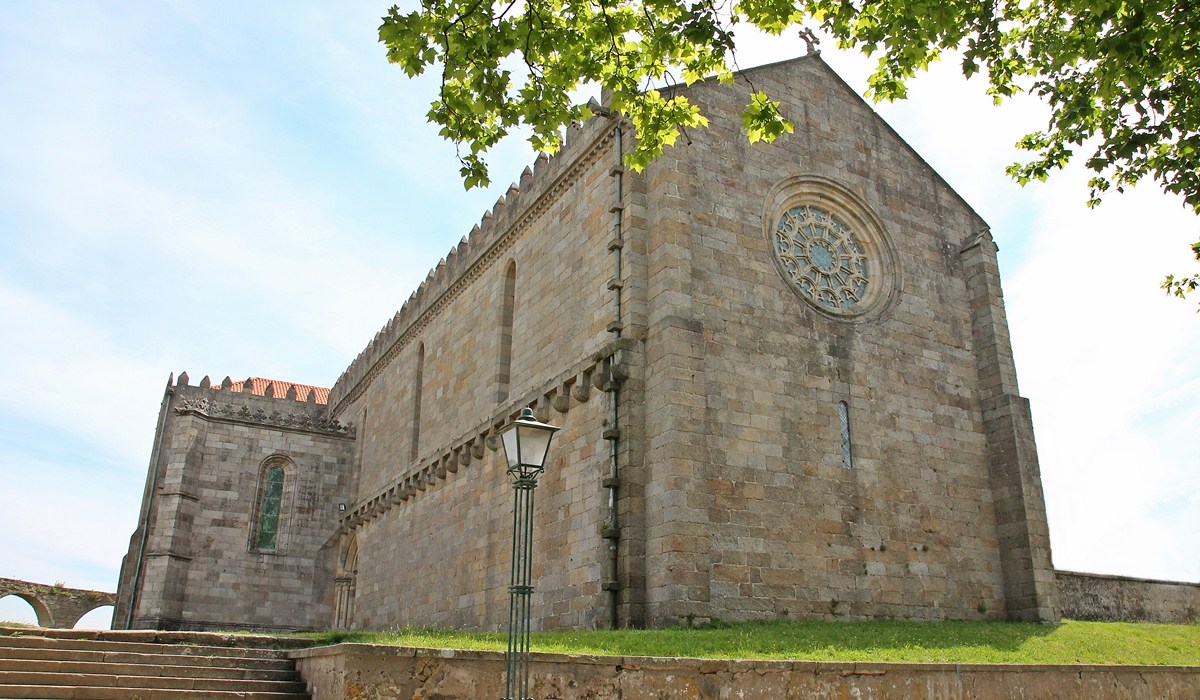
(603, 369)
(287, 420)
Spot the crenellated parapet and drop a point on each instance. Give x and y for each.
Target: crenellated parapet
(525, 201)
(258, 401)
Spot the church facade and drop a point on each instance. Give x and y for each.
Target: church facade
(782, 374)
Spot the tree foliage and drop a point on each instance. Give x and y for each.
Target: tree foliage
(1122, 77)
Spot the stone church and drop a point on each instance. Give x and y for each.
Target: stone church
(782, 374)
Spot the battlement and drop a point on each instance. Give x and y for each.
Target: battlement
(258, 401)
(260, 386)
(524, 201)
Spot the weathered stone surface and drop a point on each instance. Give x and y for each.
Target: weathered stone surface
(374, 673)
(1121, 598)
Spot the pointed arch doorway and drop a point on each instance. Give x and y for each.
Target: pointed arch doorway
(343, 584)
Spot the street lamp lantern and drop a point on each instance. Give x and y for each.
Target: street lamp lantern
(526, 442)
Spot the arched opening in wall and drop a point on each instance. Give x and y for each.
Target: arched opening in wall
(344, 585)
(418, 382)
(19, 610)
(504, 359)
(269, 519)
(98, 619)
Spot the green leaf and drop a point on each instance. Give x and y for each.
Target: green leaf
(762, 119)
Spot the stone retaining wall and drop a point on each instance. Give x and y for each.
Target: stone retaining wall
(1125, 599)
(370, 672)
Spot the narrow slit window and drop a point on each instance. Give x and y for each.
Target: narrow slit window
(504, 357)
(268, 516)
(844, 422)
(418, 384)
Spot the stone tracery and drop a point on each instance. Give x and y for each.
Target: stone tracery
(822, 258)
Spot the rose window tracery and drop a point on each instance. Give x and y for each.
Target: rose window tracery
(823, 258)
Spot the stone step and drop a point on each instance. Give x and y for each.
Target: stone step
(39, 641)
(41, 665)
(215, 639)
(165, 657)
(146, 665)
(91, 680)
(50, 692)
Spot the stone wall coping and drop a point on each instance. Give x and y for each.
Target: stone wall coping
(1114, 577)
(215, 639)
(712, 665)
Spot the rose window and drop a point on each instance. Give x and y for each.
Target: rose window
(822, 258)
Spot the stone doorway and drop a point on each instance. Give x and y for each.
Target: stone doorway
(343, 585)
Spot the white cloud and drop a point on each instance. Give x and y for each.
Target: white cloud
(61, 371)
(61, 523)
(1108, 363)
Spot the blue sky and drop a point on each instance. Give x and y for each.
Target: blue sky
(250, 189)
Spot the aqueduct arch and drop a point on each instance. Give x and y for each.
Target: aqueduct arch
(56, 606)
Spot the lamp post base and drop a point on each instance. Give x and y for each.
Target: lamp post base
(520, 591)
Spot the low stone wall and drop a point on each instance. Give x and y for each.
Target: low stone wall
(1121, 598)
(367, 672)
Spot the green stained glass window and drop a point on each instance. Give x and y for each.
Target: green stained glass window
(268, 515)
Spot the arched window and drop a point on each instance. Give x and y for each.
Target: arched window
(844, 422)
(504, 358)
(269, 506)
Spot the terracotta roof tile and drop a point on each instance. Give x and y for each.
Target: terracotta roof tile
(258, 387)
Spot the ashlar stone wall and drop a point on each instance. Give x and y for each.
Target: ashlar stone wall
(751, 510)
(442, 557)
(520, 314)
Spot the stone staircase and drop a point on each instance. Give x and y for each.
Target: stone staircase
(146, 665)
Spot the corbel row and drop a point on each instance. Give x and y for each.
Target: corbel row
(602, 371)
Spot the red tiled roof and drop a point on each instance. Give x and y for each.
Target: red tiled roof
(258, 387)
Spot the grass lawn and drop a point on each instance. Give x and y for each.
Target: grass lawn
(929, 642)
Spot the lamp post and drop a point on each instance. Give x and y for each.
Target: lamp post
(526, 442)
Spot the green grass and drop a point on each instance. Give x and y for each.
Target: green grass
(927, 642)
